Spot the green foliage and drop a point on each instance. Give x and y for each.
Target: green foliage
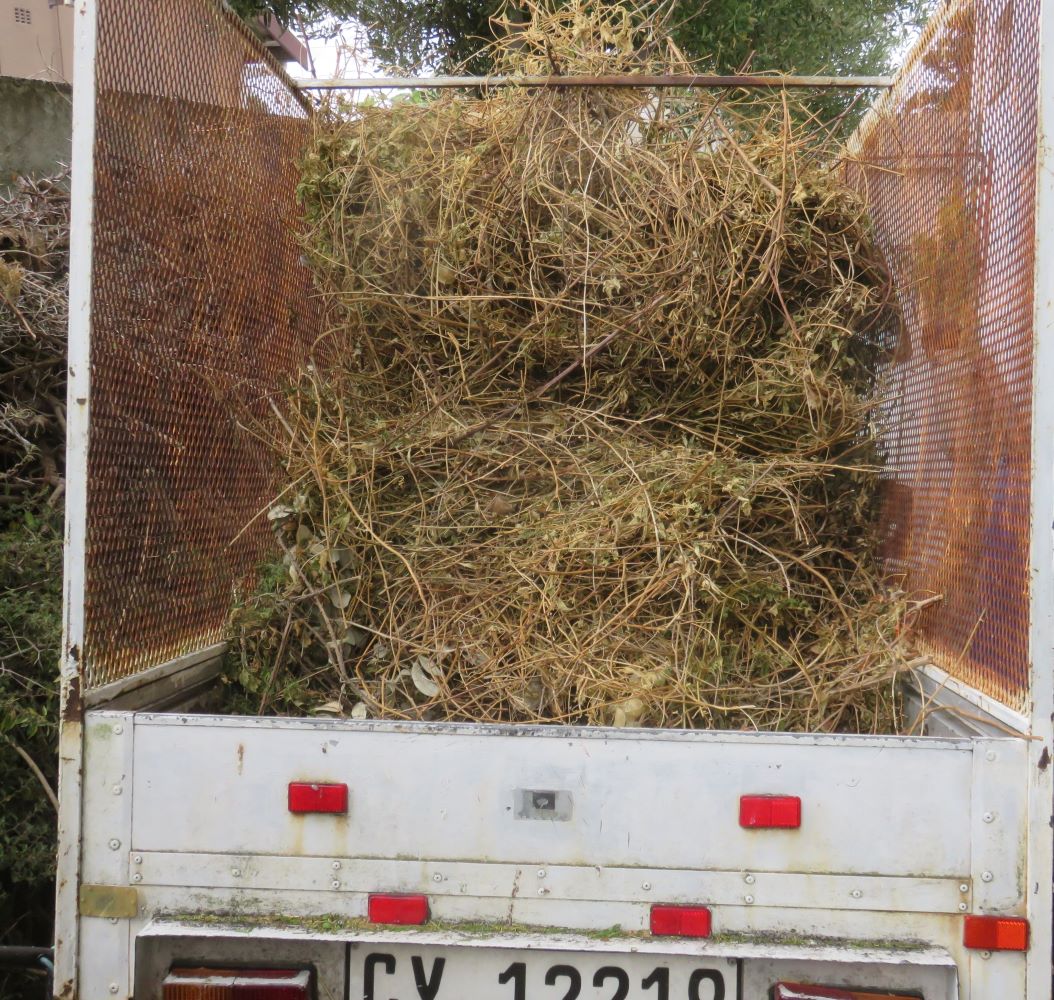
(30, 633)
(34, 255)
(806, 36)
(291, 11)
(30, 639)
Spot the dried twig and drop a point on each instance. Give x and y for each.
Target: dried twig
(591, 443)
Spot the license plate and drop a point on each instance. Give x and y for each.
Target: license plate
(428, 972)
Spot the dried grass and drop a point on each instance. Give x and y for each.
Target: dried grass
(34, 281)
(589, 440)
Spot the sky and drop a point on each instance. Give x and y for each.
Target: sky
(345, 54)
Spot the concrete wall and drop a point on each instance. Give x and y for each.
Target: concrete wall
(35, 123)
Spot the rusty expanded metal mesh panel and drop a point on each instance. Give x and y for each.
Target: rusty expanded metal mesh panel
(948, 168)
(200, 301)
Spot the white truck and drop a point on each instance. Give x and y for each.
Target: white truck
(210, 856)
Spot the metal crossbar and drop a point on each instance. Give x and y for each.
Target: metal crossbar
(691, 80)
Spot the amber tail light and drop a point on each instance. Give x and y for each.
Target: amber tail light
(237, 984)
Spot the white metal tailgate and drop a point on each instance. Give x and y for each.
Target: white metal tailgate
(653, 799)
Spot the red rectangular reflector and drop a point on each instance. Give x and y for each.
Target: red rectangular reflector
(996, 933)
(681, 921)
(394, 908)
(768, 812)
(313, 797)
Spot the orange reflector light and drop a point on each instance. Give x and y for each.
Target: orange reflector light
(398, 909)
(681, 921)
(770, 812)
(237, 984)
(996, 933)
(801, 991)
(312, 797)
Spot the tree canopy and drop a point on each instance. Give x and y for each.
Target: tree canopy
(805, 36)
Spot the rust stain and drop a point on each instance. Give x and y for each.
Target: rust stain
(1044, 759)
(241, 758)
(73, 709)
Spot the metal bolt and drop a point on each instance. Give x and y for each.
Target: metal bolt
(137, 877)
(115, 844)
(962, 907)
(748, 899)
(749, 879)
(645, 886)
(990, 755)
(118, 729)
(987, 876)
(437, 877)
(236, 872)
(117, 789)
(334, 884)
(336, 866)
(541, 873)
(964, 887)
(988, 817)
(856, 894)
(138, 859)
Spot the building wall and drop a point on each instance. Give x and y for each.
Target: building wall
(36, 40)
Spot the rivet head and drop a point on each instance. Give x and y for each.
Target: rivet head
(988, 817)
(541, 873)
(117, 789)
(115, 844)
(749, 879)
(437, 877)
(748, 899)
(987, 876)
(856, 894)
(114, 987)
(113, 920)
(645, 886)
(118, 729)
(336, 866)
(138, 859)
(137, 877)
(990, 755)
(986, 954)
(964, 887)
(236, 872)
(962, 907)
(335, 884)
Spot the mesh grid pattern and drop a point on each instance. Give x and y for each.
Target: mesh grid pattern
(948, 168)
(199, 300)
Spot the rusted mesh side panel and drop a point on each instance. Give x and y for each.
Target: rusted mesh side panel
(948, 168)
(199, 301)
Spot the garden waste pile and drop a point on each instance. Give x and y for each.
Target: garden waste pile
(590, 436)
